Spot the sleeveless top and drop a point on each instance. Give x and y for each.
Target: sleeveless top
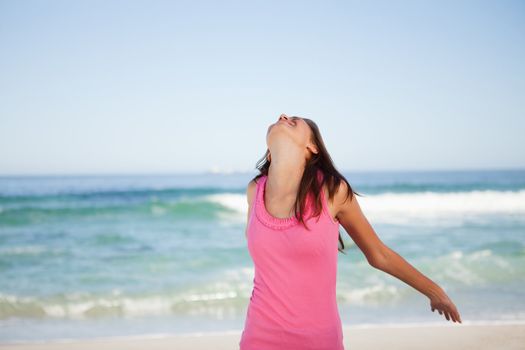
(293, 302)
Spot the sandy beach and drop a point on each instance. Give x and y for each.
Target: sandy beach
(446, 336)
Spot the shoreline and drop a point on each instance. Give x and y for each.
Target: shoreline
(432, 336)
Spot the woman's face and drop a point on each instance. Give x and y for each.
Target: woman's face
(293, 128)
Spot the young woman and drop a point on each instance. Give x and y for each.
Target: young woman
(296, 205)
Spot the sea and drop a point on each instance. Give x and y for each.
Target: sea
(94, 256)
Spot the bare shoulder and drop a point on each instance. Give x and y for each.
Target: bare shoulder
(343, 199)
(338, 200)
(250, 191)
(250, 194)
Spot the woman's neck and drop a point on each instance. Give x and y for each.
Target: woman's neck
(284, 177)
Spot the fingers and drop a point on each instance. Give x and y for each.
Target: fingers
(456, 316)
(449, 311)
(449, 314)
(452, 315)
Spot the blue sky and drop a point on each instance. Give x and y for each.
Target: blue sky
(182, 86)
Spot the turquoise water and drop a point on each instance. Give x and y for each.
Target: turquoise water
(92, 256)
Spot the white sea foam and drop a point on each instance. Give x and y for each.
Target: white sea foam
(24, 250)
(377, 293)
(233, 201)
(403, 208)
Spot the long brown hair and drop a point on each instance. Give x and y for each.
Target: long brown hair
(309, 184)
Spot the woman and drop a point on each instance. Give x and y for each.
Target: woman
(296, 205)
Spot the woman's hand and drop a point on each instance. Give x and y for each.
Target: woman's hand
(444, 305)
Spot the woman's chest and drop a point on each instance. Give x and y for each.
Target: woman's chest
(295, 243)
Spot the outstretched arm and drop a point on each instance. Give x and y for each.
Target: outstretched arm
(383, 258)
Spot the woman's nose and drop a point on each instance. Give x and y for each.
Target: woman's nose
(283, 116)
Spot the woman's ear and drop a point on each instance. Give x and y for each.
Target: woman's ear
(313, 148)
(269, 157)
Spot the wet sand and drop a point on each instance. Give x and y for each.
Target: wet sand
(402, 337)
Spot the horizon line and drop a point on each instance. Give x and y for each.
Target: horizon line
(237, 172)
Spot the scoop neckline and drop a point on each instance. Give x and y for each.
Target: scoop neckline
(265, 216)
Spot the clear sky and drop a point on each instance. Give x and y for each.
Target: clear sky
(181, 86)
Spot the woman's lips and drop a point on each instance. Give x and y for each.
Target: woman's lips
(284, 121)
(280, 120)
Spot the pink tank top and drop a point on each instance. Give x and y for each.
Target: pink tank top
(293, 302)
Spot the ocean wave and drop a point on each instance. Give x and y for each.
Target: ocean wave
(28, 250)
(184, 208)
(403, 208)
(421, 208)
(90, 306)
